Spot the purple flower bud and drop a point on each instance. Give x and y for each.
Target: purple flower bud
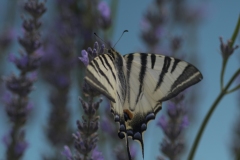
(90, 51)
(226, 49)
(96, 46)
(67, 153)
(84, 57)
(95, 53)
(102, 49)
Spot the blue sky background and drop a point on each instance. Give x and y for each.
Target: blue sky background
(216, 141)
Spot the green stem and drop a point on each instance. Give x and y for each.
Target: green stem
(206, 119)
(234, 89)
(235, 33)
(224, 63)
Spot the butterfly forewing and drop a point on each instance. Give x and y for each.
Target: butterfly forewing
(102, 75)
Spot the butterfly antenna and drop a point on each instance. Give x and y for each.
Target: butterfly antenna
(120, 37)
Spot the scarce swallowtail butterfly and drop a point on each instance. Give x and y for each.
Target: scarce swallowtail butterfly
(137, 84)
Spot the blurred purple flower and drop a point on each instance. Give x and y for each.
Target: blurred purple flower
(104, 9)
(159, 31)
(7, 97)
(105, 15)
(107, 127)
(172, 109)
(12, 58)
(21, 147)
(29, 107)
(173, 126)
(162, 122)
(185, 122)
(6, 139)
(96, 155)
(33, 76)
(67, 153)
(144, 25)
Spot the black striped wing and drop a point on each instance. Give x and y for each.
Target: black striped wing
(152, 79)
(103, 76)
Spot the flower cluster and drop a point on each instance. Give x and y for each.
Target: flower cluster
(17, 103)
(173, 144)
(86, 138)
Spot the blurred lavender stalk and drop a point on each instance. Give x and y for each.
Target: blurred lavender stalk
(173, 127)
(72, 22)
(57, 66)
(17, 104)
(153, 24)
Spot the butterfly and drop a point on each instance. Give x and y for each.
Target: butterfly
(136, 85)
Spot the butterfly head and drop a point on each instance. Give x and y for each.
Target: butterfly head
(116, 56)
(112, 52)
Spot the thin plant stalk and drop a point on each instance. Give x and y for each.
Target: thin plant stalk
(223, 92)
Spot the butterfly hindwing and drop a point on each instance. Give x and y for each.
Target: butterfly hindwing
(153, 79)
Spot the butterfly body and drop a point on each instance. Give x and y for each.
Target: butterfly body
(137, 84)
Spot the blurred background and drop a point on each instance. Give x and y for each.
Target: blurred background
(40, 42)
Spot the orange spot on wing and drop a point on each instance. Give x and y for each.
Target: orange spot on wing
(129, 113)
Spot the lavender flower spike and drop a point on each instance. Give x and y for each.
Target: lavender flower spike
(86, 137)
(18, 106)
